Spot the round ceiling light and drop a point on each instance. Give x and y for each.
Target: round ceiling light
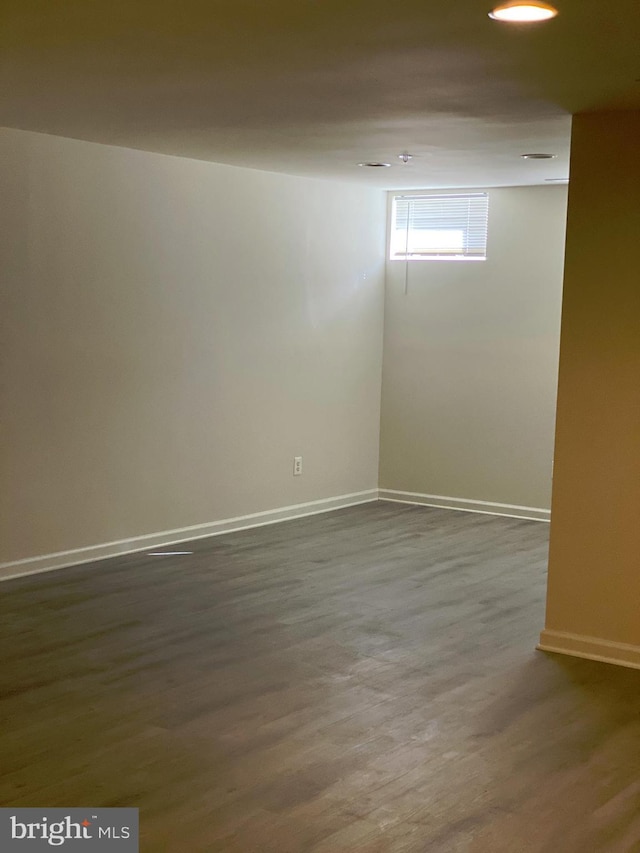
(376, 165)
(523, 11)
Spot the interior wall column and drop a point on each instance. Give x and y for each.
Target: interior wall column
(593, 602)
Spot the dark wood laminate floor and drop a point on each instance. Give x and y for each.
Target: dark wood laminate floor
(363, 680)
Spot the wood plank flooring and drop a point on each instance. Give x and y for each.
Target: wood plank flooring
(361, 681)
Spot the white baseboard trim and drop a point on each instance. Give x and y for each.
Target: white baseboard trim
(63, 559)
(466, 505)
(591, 648)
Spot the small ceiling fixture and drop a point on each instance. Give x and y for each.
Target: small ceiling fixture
(523, 11)
(405, 157)
(538, 156)
(376, 165)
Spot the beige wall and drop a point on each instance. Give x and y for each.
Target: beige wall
(174, 332)
(470, 360)
(594, 568)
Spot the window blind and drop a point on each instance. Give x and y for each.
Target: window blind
(440, 226)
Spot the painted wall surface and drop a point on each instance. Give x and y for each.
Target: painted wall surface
(594, 566)
(174, 332)
(470, 360)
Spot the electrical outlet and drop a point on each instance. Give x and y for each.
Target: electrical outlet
(297, 466)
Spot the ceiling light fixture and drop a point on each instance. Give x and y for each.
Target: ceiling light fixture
(376, 165)
(523, 11)
(538, 156)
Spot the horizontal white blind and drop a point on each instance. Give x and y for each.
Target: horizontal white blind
(440, 226)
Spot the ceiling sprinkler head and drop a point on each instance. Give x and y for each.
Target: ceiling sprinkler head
(405, 157)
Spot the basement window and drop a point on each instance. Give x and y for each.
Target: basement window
(451, 227)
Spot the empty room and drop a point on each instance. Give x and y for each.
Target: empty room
(320, 427)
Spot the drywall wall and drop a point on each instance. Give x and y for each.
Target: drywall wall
(174, 333)
(470, 360)
(594, 563)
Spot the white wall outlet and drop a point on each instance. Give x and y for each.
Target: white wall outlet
(297, 466)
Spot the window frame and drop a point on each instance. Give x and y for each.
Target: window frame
(481, 195)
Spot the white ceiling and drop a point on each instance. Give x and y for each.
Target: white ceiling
(312, 87)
